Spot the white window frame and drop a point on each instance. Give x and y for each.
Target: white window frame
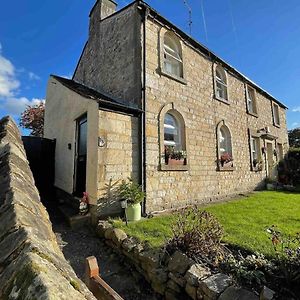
(254, 110)
(229, 166)
(254, 137)
(274, 111)
(172, 54)
(223, 82)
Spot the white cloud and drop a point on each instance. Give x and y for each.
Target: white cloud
(33, 76)
(296, 109)
(8, 81)
(295, 124)
(15, 106)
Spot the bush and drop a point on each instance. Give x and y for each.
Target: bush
(287, 250)
(289, 168)
(198, 234)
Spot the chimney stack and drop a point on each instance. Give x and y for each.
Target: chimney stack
(101, 10)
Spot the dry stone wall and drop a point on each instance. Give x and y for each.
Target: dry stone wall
(31, 264)
(175, 277)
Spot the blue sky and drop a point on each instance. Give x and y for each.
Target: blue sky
(261, 38)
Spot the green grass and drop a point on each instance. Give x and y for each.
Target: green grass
(244, 220)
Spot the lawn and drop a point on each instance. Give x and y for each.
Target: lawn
(244, 220)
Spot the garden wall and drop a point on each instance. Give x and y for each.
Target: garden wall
(31, 264)
(175, 277)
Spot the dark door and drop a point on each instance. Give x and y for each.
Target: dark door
(80, 179)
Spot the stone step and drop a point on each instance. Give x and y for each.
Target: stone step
(74, 219)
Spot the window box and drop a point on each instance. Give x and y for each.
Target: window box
(175, 162)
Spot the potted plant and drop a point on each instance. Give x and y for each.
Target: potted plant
(226, 160)
(131, 193)
(270, 184)
(174, 157)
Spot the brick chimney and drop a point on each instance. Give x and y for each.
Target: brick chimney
(101, 10)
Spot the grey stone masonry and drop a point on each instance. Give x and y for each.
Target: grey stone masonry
(31, 264)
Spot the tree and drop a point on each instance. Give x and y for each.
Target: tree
(294, 138)
(33, 118)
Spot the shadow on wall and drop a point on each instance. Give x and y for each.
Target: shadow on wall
(109, 205)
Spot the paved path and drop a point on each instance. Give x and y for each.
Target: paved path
(77, 245)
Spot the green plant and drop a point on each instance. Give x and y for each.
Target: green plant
(170, 152)
(198, 234)
(130, 191)
(250, 270)
(287, 252)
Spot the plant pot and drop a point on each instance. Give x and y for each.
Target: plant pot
(270, 187)
(133, 212)
(176, 162)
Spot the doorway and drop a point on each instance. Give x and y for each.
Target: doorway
(81, 156)
(270, 160)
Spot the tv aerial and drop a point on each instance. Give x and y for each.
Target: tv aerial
(190, 22)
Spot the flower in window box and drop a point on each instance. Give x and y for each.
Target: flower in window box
(226, 160)
(174, 157)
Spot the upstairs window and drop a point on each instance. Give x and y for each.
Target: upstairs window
(172, 55)
(225, 157)
(276, 118)
(221, 84)
(251, 100)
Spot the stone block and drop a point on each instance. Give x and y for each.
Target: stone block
(181, 281)
(173, 286)
(179, 263)
(191, 291)
(118, 236)
(235, 293)
(129, 244)
(102, 226)
(266, 294)
(196, 273)
(109, 233)
(214, 285)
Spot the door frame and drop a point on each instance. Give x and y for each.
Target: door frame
(76, 145)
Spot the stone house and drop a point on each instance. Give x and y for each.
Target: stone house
(148, 101)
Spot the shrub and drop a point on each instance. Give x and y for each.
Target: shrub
(289, 168)
(287, 250)
(250, 270)
(198, 234)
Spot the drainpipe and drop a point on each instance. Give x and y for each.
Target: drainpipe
(143, 116)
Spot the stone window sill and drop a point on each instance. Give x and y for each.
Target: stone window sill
(164, 167)
(221, 100)
(276, 125)
(252, 114)
(226, 169)
(172, 76)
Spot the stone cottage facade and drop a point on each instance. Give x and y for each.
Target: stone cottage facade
(163, 109)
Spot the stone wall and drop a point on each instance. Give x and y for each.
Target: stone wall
(111, 60)
(118, 158)
(194, 99)
(175, 277)
(31, 264)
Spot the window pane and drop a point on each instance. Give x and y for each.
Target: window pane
(225, 141)
(276, 114)
(171, 131)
